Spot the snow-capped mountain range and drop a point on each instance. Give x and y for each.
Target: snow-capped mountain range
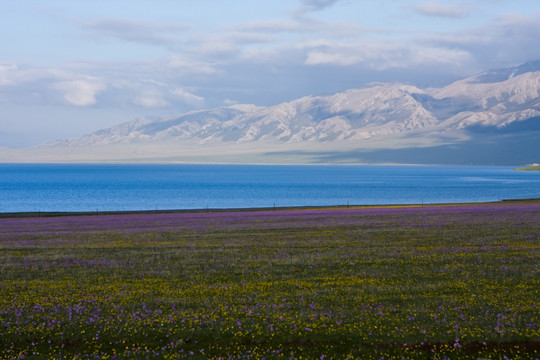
(489, 99)
(375, 118)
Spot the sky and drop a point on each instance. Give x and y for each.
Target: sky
(68, 68)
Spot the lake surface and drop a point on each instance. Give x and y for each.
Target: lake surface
(48, 187)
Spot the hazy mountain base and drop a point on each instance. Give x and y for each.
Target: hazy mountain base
(515, 144)
(512, 151)
(262, 152)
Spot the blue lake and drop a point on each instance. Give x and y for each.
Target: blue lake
(48, 187)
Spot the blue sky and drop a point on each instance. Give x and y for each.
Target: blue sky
(71, 67)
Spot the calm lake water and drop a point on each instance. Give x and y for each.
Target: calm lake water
(46, 187)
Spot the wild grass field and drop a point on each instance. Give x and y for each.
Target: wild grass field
(415, 282)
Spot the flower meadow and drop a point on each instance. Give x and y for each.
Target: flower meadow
(410, 282)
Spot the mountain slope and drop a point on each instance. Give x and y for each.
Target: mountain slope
(351, 115)
(494, 104)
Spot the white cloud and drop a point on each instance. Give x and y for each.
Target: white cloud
(441, 56)
(216, 49)
(229, 102)
(432, 8)
(276, 25)
(151, 99)
(181, 63)
(221, 47)
(383, 55)
(15, 75)
(332, 58)
(6, 72)
(188, 98)
(80, 92)
(345, 53)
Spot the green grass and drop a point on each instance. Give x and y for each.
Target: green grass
(530, 168)
(415, 283)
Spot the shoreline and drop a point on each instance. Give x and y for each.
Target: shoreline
(529, 168)
(7, 215)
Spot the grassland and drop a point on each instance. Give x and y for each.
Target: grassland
(418, 282)
(535, 167)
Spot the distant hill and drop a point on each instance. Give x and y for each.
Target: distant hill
(533, 167)
(490, 118)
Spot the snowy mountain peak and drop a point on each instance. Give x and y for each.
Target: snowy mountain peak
(499, 75)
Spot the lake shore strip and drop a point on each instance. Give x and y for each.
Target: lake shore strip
(257, 209)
